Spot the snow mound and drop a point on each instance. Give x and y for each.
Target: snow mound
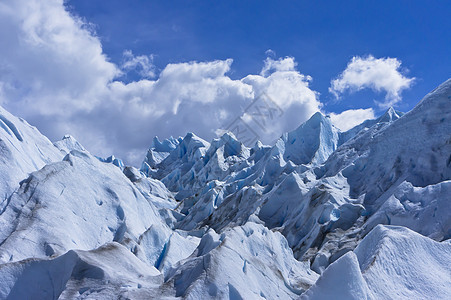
(391, 262)
(421, 266)
(341, 280)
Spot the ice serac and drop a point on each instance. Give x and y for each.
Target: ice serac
(324, 211)
(158, 152)
(180, 160)
(246, 262)
(112, 160)
(23, 149)
(67, 144)
(312, 142)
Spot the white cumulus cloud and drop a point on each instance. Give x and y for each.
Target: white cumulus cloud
(350, 118)
(53, 73)
(49, 60)
(378, 74)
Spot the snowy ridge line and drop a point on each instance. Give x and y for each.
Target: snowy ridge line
(361, 214)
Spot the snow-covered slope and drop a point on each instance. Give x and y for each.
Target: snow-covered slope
(59, 208)
(108, 272)
(389, 263)
(23, 149)
(220, 220)
(389, 116)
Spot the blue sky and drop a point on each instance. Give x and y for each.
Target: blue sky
(114, 74)
(321, 35)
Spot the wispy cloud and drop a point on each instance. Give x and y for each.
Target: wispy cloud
(141, 64)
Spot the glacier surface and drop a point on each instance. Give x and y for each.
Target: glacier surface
(321, 214)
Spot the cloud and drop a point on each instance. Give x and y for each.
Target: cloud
(53, 73)
(282, 64)
(270, 53)
(378, 74)
(142, 64)
(48, 54)
(350, 118)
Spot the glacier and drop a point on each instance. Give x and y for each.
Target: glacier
(321, 214)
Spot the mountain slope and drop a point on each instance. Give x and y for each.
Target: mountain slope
(23, 149)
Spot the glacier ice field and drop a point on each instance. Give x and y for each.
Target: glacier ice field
(322, 214)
